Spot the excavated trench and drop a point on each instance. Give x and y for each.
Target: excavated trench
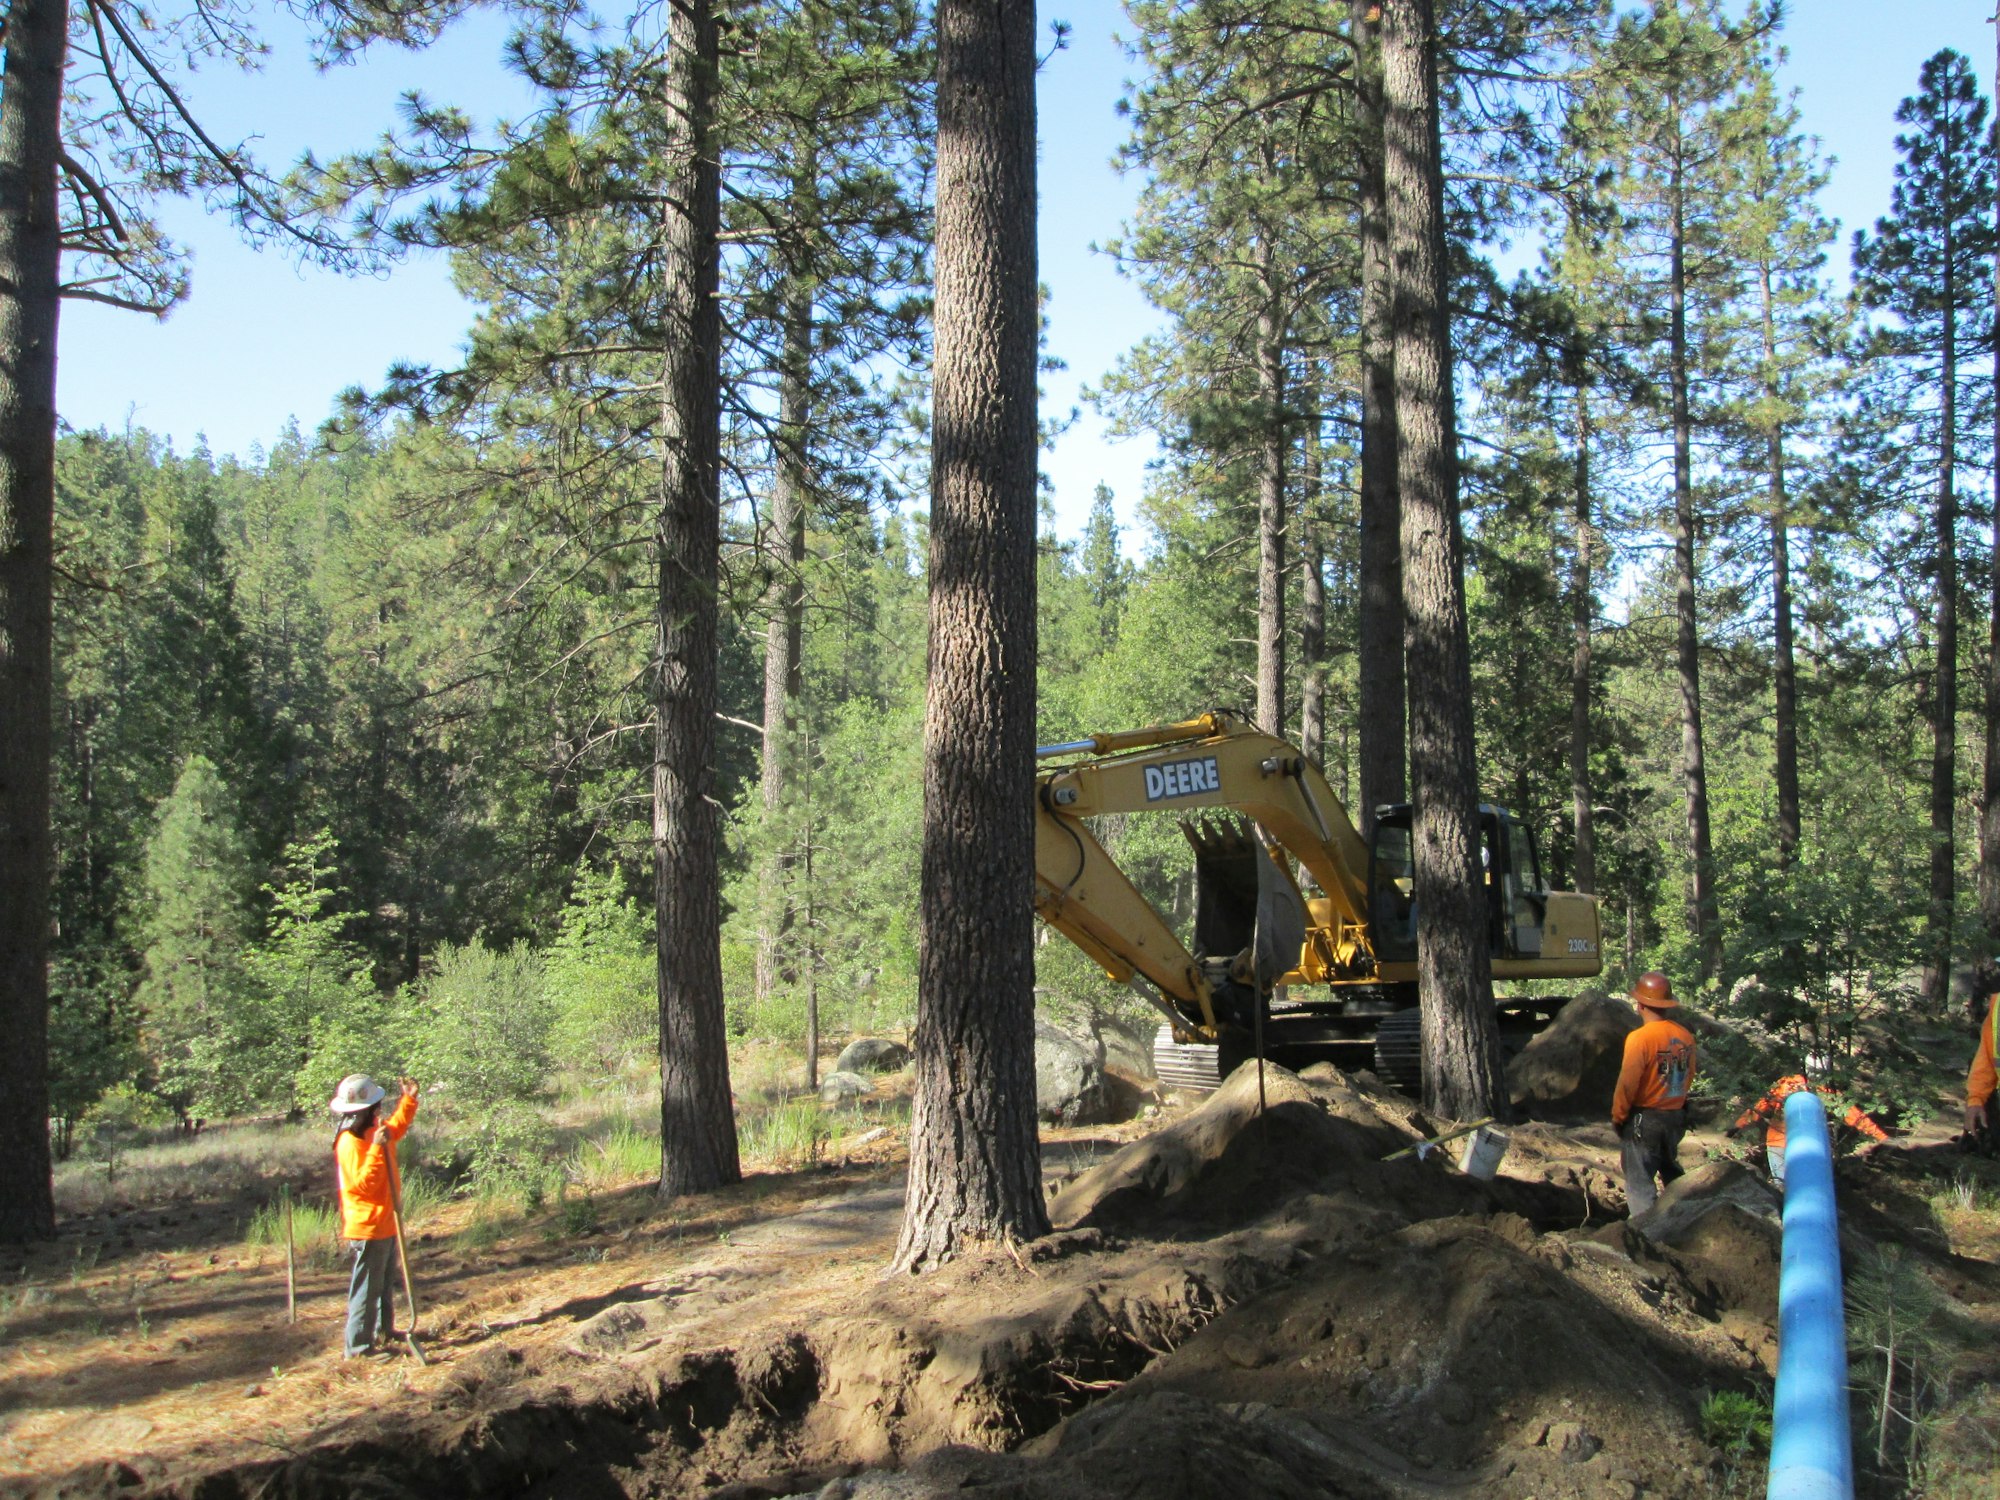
(1242, 1301)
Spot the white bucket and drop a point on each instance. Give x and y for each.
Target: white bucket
(1483, 1150)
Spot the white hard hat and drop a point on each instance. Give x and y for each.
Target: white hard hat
(357, 1092)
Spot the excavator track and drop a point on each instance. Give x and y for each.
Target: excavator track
(1187, 1065)
(1393, 1045)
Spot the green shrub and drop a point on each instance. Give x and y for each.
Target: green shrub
(1736, 1423)
(478, 1030)
(599, 976)
(510, 1148)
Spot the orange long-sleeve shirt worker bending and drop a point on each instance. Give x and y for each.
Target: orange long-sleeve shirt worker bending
(1649, 1105)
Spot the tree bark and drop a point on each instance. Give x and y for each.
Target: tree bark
(975, 1172)
(1989, 808)
(1462, 1071)
(36, 41)
(1312, 589)
(784, 633)
(1944, 694)
(697, 1122)
(1270, 499)
(1379, 689)
(1582, 612)
(1704, 921)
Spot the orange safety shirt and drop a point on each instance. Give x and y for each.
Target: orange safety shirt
(369, 1184)
(1771, 1110)
(1979, 1084)
(1658, 1071)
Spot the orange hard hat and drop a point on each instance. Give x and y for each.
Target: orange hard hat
(1655, 991)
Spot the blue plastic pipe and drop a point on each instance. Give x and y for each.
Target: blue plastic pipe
(1811, 1456)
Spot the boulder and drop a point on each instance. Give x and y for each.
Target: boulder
(844, 1088)
(1571, 1069)
(1069, 1080)
(872, 1054)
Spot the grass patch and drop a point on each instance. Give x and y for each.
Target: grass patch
(423, 1196)
(789, 1134)
(315, 1232)
(222, 1161)
(625, 1154)
(491, 1220)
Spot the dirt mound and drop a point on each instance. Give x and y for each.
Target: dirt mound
(1229, 1159)
(1450, 1340)
(1570, 1070)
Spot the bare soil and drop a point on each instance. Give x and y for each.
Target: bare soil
(1236, 1302)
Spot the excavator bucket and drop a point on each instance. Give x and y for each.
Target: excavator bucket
(1281, 924)
(1226, 886)
(1243, 899)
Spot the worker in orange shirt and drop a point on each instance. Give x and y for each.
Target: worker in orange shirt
(1980, 1082)
(1649, 1108)
(1771, 1110)
(364, 1162)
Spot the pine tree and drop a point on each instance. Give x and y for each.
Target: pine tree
(1462, 1073)
(1680, 140)
(697, 1121)
(31, 101)
(308, 979)
(974, 1154)
(1926, 266)
(203, 1026)
(1235, 239)
(1782, 239)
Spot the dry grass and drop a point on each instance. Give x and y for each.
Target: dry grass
(223, 1160)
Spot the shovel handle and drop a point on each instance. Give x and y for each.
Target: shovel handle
(409, 1294)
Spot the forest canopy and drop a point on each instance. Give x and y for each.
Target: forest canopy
(352, 754)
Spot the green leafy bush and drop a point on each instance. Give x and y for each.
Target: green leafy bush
(478, 1031)
(599, 977)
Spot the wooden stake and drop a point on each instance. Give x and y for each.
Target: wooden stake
(291, 1266)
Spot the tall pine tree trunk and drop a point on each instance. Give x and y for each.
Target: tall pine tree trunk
(1312, 587)
(697, 1122)
(1270, 499)
(1944, 694)
(1379, 689)
(1989, 810)
(975, 1170)
(1462, 1072)
(1582, 613)
(1785, 684)
(36, 40)
(1704, 921)
(784, 631)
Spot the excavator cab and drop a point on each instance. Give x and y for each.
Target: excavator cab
(1516, 895)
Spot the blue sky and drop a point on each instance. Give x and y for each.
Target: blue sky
(260, 341)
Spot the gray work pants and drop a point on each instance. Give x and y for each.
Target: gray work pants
(371, 1312)
(1652, 1148)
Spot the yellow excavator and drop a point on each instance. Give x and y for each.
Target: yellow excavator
(1320, 970)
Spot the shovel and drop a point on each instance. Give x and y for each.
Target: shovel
(403, 1260)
